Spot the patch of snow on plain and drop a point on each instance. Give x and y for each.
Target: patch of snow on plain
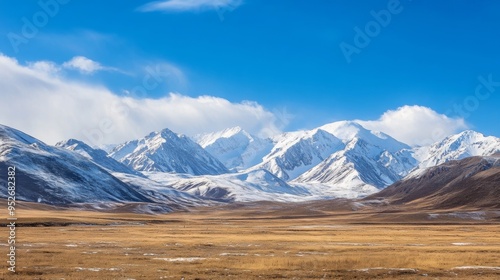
(193, 259)
(478, 267)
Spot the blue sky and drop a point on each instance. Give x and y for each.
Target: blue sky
(283, 55)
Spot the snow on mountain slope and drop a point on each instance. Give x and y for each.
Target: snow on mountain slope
(164, 195)
(296, 152)
(351, 190)
(235, 148)
(369, 161)
(99, 157)
(465, 144)
(166, 151)
(360, 165)
(349, 130)
(65, 177)
(337, 160)
(256, 185)
(58, 176)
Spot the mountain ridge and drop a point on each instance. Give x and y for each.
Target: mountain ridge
(165, 151)
(294, 166)
(235, 148)
(98, 156)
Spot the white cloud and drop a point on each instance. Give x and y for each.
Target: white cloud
(54, 108)
(190, 5)
(84, 65)
(50, 106)
(416, 125)
(45, 67)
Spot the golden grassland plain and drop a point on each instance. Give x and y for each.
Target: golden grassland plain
(230, 245)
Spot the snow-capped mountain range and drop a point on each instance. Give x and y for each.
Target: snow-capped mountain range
(77, 175)
(341, 159)
(166, 151)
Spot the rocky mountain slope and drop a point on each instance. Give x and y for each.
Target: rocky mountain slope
(70, 177)
(470, 182)
(98, 156)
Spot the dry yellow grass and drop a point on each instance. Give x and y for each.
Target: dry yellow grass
(221, 245)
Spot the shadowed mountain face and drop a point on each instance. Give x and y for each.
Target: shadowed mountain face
(471, 182)
(81, 178)
(99, 157)
(57, 176)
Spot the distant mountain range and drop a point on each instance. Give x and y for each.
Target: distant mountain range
(341, 159)
(169, 171)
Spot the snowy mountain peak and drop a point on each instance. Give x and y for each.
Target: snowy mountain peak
(208, 139)
(79, 147)
(467, 137)
(166, 151)
(233, 131)
(349, 130)
(345, 130)
(235, 147)
(296, 152)
(167, 133)
(70, 142)
(465, 144)
(316, 138)
(164, 134)
(11, 134)
(470, 133)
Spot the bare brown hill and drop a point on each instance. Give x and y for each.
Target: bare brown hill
(469, 183)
